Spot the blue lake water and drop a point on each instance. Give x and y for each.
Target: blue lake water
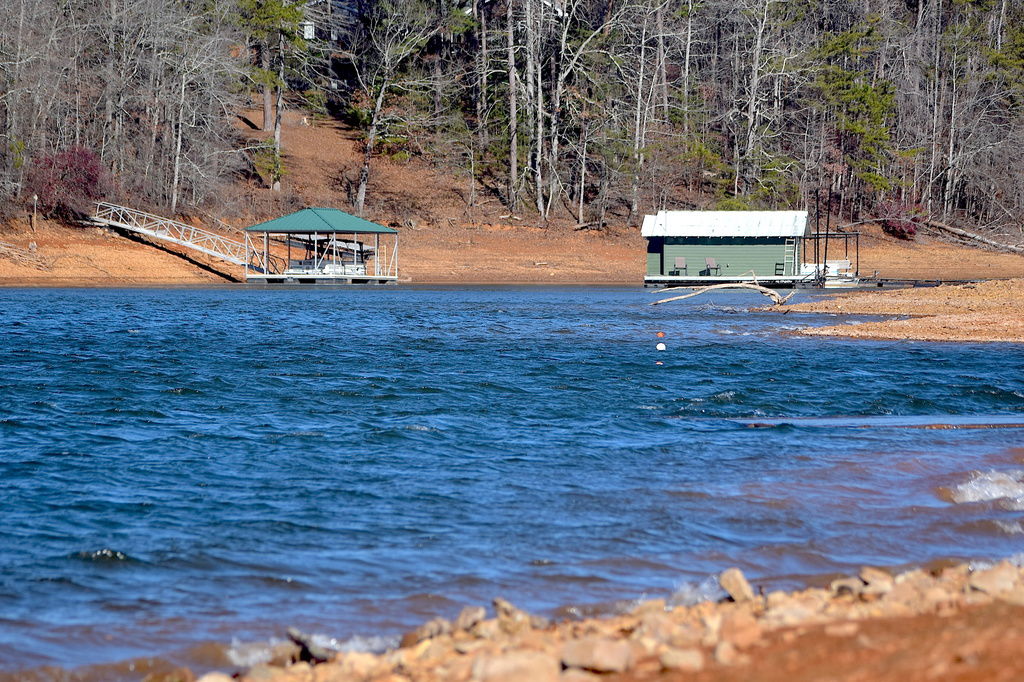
(183, 467)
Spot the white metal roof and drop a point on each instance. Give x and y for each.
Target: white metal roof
(725, 224)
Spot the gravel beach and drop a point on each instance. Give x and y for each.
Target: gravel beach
(951, 622)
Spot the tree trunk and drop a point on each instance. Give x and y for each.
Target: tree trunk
(686, 67)
(755, 86)
(950, 184)
(638, 126)
(179, 124)
(662, 65)
(557, 64)
(538, 158)
(513, 145)
(583, 171)
(268, 97)
(936, 105)
(279, 105)
(371, 139)
(483, 64)
(438, 93)
(1002, 24)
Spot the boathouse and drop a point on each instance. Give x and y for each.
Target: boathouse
(708, 247)
(321, 246)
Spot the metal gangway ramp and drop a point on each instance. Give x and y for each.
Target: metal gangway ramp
(165, 229)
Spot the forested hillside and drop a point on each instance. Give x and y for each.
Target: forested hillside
(583, 110)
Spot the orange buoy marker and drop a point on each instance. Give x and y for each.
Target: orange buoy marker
(660, 335)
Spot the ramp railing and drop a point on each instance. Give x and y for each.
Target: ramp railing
(172, 231)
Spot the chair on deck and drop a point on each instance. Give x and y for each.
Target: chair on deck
(712, 266)
(680, 266)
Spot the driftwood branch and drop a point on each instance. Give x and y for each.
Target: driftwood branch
(309, 650)
(777, 298)
(23, 256)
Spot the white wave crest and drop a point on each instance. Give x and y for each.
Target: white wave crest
(982, 564)
(985, 486)
(248, 654)
(689, 593)
(374, 644)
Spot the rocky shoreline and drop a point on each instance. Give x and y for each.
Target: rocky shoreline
(857, 621)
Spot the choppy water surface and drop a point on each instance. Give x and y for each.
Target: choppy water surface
(180, 467)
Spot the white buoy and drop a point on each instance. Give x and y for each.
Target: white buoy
(661, 346)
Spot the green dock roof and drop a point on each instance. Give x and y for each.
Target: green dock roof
(323, 220)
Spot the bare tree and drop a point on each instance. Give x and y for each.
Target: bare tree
(392, 32)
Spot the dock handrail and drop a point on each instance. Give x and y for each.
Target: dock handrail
(182, 234)
(169, 230)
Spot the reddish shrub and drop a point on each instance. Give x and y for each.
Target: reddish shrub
(68, 182)
(897, 219)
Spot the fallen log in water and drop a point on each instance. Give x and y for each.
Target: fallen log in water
(777, 298)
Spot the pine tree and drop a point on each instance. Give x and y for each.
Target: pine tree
(273, 30)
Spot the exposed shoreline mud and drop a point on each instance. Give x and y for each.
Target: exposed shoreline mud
(990, 311)
(481, 252)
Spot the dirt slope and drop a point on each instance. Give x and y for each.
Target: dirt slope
(93, 257)
(442, 239)
(928, 257)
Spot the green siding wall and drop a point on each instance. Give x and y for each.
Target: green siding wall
(735, 255)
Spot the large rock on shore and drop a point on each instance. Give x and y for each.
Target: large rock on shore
(470, 616)
(740, 628)
(432, 628)
(216, 677)
(735, 584)
(684, 660)
(662, 628)
(512, 620)
(517, 666)
(1000, 578)
(600, 654)
(876, 579)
